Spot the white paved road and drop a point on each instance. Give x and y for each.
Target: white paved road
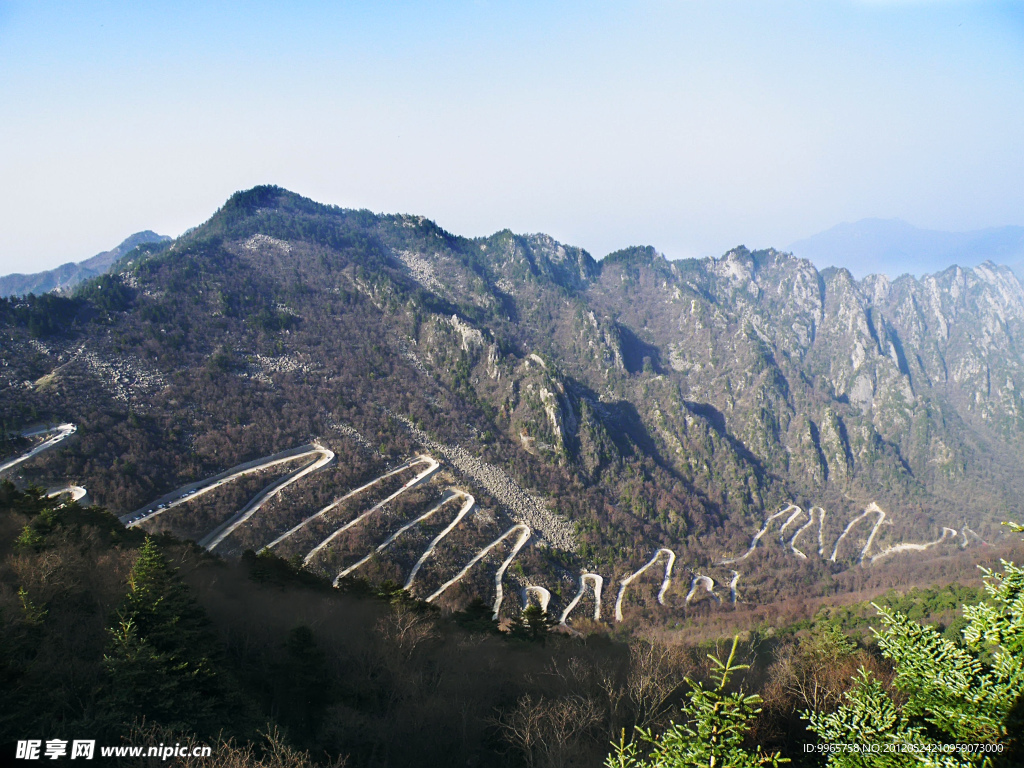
(946, 533)
(542, 595)
(221, 532)
(759, 534)
(524, 535)
(597, 582)
(449, 495)
(76, 492)
(670, 561)
(60, 432)
(707, 582)
(193, 490)
(432, 466)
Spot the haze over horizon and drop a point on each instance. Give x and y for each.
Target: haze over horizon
(691, 126)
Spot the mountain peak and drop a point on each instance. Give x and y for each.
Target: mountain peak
(268, 197)
(634, 255)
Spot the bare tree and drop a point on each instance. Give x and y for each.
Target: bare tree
(548, 731)
(816, 672)
(405, 630)
(656, 671)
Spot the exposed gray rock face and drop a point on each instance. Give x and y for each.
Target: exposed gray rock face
(904, 388)
(759, 379)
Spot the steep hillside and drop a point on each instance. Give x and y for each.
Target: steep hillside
(763, 422)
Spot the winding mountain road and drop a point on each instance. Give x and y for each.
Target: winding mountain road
(797, 512)
(670, 561)
(946, 533)
(432, 466)
(759, 534)
(524, 535)
(225, 529)
(800, 530)
(871, 508)
(60, 432)
(77, 492)
(966, 530)
(819, 514)
(450, 494)
(598, 583)
(195, 489)
(543, 596)
(319, 457)
(707, 582)
(436, 540)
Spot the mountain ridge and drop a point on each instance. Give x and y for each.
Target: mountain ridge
(651, 403)
(67, 276)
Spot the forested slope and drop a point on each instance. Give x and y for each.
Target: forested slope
(643, 403)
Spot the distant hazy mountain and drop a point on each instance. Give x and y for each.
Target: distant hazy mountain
(893, 247)
(68, 275)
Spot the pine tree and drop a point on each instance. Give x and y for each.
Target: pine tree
(477, 617)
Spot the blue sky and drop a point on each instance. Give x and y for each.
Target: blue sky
(690, 125)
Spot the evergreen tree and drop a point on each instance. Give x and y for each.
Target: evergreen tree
(478, 616)
(968, 693)
(517, 627)
(711, 734)
(532, 623)
(161, 656)
(304, 685)
(536, 622)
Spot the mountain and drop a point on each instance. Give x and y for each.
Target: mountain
(746, 417)
(67, 276)
(893, 247)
